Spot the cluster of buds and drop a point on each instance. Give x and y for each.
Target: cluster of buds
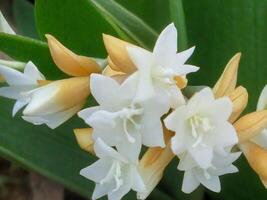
(143, 103)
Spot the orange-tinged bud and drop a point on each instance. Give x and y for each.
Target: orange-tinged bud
(84, 139)
(153, 164)
(257, 158)
(181, 81)
(69, 62)
(250, 125)
(240, 100)
(119, 59)
(227, 82)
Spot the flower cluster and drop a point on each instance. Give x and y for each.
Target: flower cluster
(144, 102)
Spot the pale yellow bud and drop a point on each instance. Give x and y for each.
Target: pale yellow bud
(153, 164)
(251, 125)
(119, 59)
(69, 62)
(240, 100)
(84, 139)
(257, 158)
(227, 82)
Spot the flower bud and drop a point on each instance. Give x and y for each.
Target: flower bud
(69, 62)
(84, 139)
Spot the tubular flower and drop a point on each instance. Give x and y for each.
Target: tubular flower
(56, 102)
(159, 69)
(121, 122)
(203, 138)
(114, 174)
(223, 158)
(4, 26)
(19, 83)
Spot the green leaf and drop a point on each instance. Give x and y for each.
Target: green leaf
(219, 29)
(76, 23)
(25, 49)
(23, 12)
(130, 24)
(177, 16)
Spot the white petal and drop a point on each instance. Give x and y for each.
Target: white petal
(202, 155)
(143, 61)
(14, 77)
(166, 44)
(104, 89)
(227, 170)
(18, 105)
(14, 92)
(176, 97)
(175, 120)
(224, 134)
(32, 72)
(104, 151)
(201, 100)
(125, 187)
(43, 100)
(213, 183)
(185, 69)
(220, 109)
(86, 113)
(52, 120)
(129, 150)
(190, 183)
(97, 171)
(178, 143)
(180, 58)
(186, 162)
(138, 183)
(100, 191)
(4, 26)
(262, 102)
(225, 161)
(152, 132)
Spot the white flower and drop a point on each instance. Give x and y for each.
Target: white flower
(4, 26)
(201, 127)
(194, 175)
(19, 83)
(113, 174)
(56, 102)
(261, 139)
(159, 68)
(121, 122)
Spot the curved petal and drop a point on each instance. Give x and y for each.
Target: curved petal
(202, 155)
(18, 105)
(166, 45)
(262, 102)
(190, 183)
(213, 183)
(32, 72)
(104, 89)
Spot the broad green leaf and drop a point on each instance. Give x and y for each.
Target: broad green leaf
(177, 16)
(76, 23)
(130, 24)
(23, 12)
(219, 29)
(25, 49)
(153, 12)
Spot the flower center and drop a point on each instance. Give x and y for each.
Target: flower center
(127, 115)
(199, 126)
(114, 172)
(164, 75)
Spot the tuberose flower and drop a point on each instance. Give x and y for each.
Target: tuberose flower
(19, 83)
(121, 122)
(161, 67)
(202, 127)
(114, 174)
(56, 102)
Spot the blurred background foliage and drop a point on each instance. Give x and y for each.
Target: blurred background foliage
(218, 29)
